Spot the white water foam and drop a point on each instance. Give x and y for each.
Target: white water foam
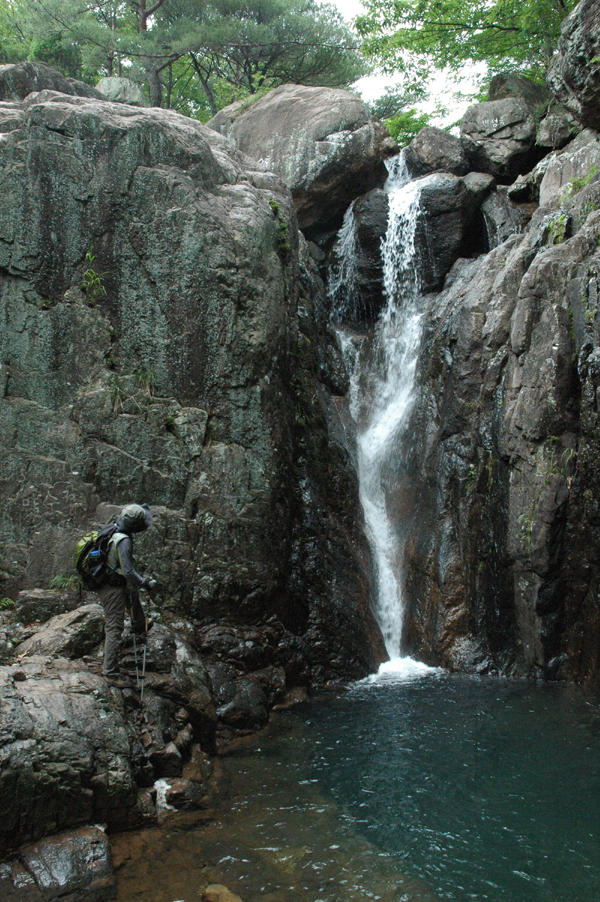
(381, 397)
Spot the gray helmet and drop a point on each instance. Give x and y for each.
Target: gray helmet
(135, 518)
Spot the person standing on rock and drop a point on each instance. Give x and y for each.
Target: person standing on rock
(122, 586)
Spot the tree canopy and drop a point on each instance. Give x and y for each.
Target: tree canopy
(191, 55)
(504, 34)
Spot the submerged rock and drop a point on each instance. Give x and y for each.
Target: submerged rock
(323, 142)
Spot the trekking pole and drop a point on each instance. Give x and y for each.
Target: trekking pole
(143, 671)
(137, 672)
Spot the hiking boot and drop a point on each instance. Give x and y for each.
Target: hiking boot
(118, 681)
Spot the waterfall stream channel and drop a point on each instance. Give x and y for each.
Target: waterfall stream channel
(413, 785)
(382, 388)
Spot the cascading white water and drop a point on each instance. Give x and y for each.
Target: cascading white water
(382, 394)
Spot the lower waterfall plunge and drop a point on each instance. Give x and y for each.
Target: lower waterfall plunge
(383, 390)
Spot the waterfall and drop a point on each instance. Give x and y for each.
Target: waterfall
(382, 393)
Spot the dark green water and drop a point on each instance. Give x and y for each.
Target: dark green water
(443, 788)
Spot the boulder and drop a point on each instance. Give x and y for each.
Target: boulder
(18, 80)
(499, 136)
(435, 150)
(556, 128)
(574, 72)
(249, 709)
(42, 604)
(70, 635)
(75, 864)
(570, 169)
(186, 795)
(67, 755)
(121, 90)
(447, 206)
(513, 84)
(502, 217)
(323, 142)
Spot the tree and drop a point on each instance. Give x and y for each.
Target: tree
(265, 43)
(505, 34)
(186, 51)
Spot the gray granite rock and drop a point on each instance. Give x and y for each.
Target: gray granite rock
(323, 142)
(574, 72)
(498, 137)
(18, 80)
(435, 150)
(121, 90)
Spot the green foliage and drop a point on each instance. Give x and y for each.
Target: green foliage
(557, 228)
(65, 581)
(576, 185)
(146, 379)
(59, 53)
(505, 34)
(194, 56)
(92, 282)
(283, 232)
(405, 126)
(6, 603)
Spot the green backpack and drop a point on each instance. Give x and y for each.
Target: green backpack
(90, 556)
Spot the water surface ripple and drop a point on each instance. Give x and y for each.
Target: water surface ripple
(440, 788)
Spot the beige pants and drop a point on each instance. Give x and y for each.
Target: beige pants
(115, 600)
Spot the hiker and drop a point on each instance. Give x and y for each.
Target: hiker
(121, 586)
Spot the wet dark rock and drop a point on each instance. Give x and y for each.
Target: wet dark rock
(186, 795)
(70, 635)
(273, 683)
(371, 218)
(323, 142)
(499, 136)
(502, 217)
(574, 72)
(76, 865)
(448, 207)
(67, 755)
(249, 709)
(167, 761)
(497, 485)
(18, 80)
(435, 150)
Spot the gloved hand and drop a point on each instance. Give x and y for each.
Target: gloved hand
(151, 585)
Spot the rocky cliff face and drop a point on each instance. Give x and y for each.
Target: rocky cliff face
(496, 492)
(151, 349)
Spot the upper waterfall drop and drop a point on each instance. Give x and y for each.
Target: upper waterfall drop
(383, 391)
